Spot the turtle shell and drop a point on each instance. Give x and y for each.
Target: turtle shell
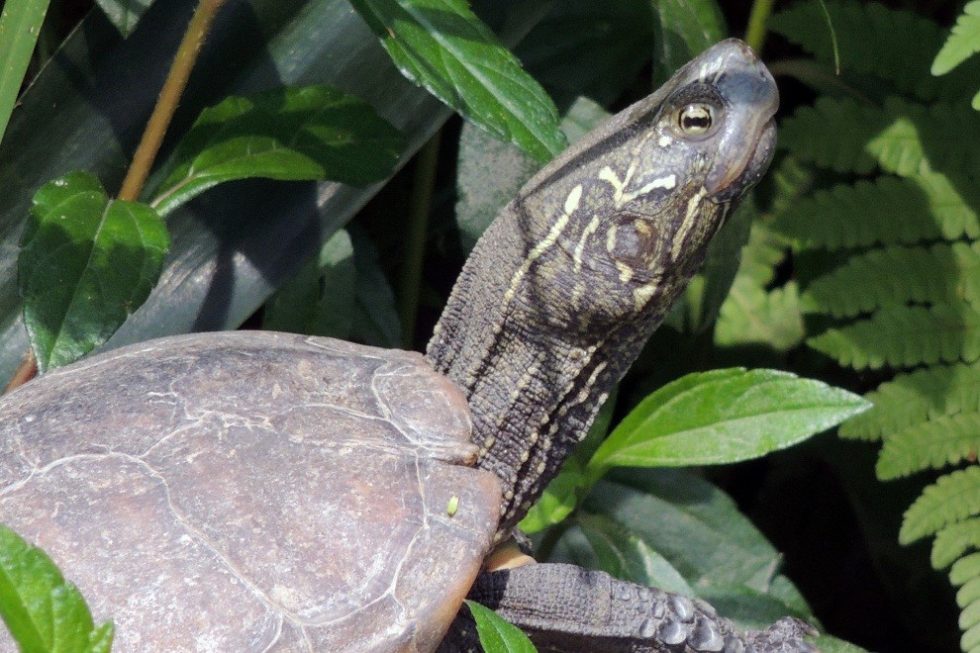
(252, 491)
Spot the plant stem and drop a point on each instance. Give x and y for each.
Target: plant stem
(24, 373)
(755, 33)
(418, 219)
(173, 87)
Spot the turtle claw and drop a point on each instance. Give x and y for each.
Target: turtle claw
(785, 636)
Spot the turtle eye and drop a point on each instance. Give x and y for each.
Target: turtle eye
(694, 119)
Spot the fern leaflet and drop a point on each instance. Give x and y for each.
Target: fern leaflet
(967, 569)
(905, 336)
(902, 137)
(893, 44)
(888, 210)
(933, 444)
(963, 41)
(910, 399)
(952, 498)
(953, 541)
(898, 275)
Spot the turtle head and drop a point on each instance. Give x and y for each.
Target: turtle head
(563, 289)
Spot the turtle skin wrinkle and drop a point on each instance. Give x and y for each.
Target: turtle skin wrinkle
(258, 492)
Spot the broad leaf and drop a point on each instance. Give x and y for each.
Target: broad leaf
(308, 133)
(697, 530)
(44, 613)
(87, 261)
(496, 635)
(724, 416)
(443, 46)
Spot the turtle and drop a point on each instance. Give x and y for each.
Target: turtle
(257, 491)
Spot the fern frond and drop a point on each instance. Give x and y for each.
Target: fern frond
(791, 180)
(895, 276)
(910, 399)
(905, 336)
(888, 210)
(963, 40)
(953, 541)
(951, 499)
(902, 137)
(966, 572)
(753, 315)
(893, 44)
(930, 445)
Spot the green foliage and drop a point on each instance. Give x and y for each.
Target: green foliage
(496, 635)
(87, 262)
(723, 416)
(20, 23)
(306, 133)
(963, 41)
(446, 49)
(889, 256)
(44, 612)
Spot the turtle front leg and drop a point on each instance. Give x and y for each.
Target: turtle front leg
(565, 608)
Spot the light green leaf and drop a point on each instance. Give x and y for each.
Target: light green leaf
(124, 14)
(86, 263)
(724, 416)
(496, 635)
(952, 498)
(903, 336)
(953, 541)
(20, 23)
(963, 41)
(375, 316)
(930, 445)
(914, 398)
(44, 613)
(305, 133)
(443, 46)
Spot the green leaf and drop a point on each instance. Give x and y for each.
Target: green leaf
(902, 336)
(963, 41)
(914, 398)
(44, 613)
(443, 46)
(307, 133)
(933, 444)
(953, 541)
(952, 498)
(623, 554)
(375, 316)
(886, 210)
(895, 276)
(698, 531)
(724, 416)
(496, 635)
(20, 23)
(320, 299)
(684, 29)
(124, 14)
(893, 45)
(901, 137)
(87, 262)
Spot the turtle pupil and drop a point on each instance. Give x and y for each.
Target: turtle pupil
(695, 119)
